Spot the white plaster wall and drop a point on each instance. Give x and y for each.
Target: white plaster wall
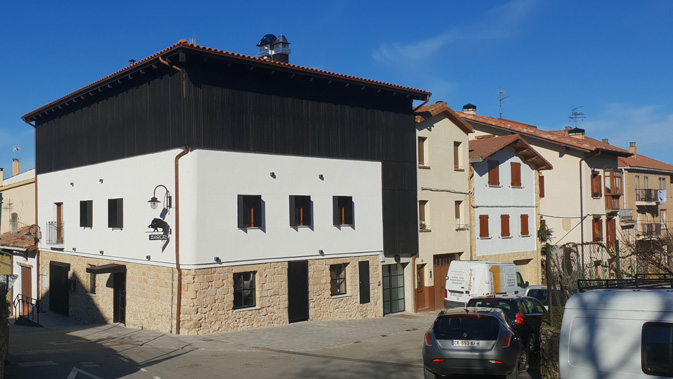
(210, 182)
(209, 207)
(504, 199)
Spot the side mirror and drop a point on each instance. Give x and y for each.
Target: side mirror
(526, 284)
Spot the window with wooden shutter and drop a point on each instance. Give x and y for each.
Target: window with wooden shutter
(421, 151)
(597, 227)
(516, 174)
(504, 225)
(596, 184)
(422, 214)
(483, 226)
(541, 184)
(457, 164)
(493, 173)
(524, 225)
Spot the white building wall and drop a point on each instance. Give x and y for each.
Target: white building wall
(495, 201)
(210, 182)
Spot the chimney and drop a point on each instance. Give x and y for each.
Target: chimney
(274, 48)
(470, 109)
(632, 149)
(2, 176)
(575, 132)
(15, 166)
(605, 140)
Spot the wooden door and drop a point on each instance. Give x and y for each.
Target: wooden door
(59, 223)
(26, 290)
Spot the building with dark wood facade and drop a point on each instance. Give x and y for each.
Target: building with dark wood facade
(284, 193)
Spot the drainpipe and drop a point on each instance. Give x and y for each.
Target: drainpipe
(177, 238)
(427, 98)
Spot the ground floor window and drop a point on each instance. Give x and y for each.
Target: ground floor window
(337, 275)
(244, 290)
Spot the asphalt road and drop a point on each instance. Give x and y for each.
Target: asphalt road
(375, 348)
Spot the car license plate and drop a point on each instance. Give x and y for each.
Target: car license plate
(464, 343)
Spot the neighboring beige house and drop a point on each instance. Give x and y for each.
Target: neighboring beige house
(17, 218)
(580, 198)
(647, 197)
(504, 175)
(443, 206)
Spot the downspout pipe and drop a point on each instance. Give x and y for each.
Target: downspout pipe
(427, 98)
(177, 238)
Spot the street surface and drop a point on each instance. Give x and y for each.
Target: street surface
(374, 348)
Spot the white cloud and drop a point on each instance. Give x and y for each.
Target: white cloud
(498, 23)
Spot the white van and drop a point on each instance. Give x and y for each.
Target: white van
(468, 279)
(617, 334)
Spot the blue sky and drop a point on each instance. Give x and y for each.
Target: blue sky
(614, 59)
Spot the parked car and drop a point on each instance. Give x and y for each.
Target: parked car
(541, 293)
(524, 312)
(472, 341)
(468, 279)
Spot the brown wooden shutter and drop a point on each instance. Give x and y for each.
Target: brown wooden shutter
(504, 225)
(516, 174)
(541, 184)
(421, 151)
(456, 155)
(421, 210)
(493, 173)
(596, 185)
(524, 225)
(598, 229)
(483, 226)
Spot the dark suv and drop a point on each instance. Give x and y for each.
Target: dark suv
(524, 312)
(472, 341)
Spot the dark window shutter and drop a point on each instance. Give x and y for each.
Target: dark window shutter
(541, 184)
(524, 225)
(241, 211)
(504, 225)
(336, 217)
(483, 226)
(596, 185)
(363, 271)
(293, 211)
(516, 174)
(493, 173)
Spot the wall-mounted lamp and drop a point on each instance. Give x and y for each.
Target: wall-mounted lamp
(218, 260)
(74, 249)
(321, 176)
(101, 252)
(273, 174)
(100, 180)
(148, 257)
(167, 201)
(321, 252)
(72, 184)
(36, 235)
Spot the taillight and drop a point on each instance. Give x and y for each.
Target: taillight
(427, 339)
(507, 339)
(446, 293)
(438, 360)
(519, 318)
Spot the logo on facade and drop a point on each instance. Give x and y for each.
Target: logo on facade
(160, 231)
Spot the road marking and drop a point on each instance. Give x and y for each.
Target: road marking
(143, 369)
(75, 371)
(36, 364)
(124, 360)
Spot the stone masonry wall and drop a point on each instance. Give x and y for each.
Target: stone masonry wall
(148, 292)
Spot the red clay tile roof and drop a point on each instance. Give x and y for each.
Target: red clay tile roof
(427, 111)
(641, 161)
(184, 45)
(483, 148)
(559, 137)
(18, 240)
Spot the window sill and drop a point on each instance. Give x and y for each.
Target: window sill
(462, 228)
(246, 309)
(494, 185)
(341, 296)
(423, 167)
(506, 237)
(485, 238)
(424, 230)
(458, 169)
(525, 235)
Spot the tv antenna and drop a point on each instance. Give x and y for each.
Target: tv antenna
(575, 116)
(17, 149)
(501, 99)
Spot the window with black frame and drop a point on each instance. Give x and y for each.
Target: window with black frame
(300, 210)
(244, 290)
(657, 349)
(337, 275)
(342, 210)
(115, 213)
(86, 213)
(250, 211)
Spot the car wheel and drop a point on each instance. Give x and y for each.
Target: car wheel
(427, 374)
(532, 343)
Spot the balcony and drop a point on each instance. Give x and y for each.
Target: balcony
(55, 233)
(647, 197)
(649, 230)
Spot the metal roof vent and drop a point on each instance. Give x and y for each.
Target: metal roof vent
(274, 48)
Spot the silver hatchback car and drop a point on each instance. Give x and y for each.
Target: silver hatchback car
(472, 341)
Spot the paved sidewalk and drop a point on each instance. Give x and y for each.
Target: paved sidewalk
(301, 336)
